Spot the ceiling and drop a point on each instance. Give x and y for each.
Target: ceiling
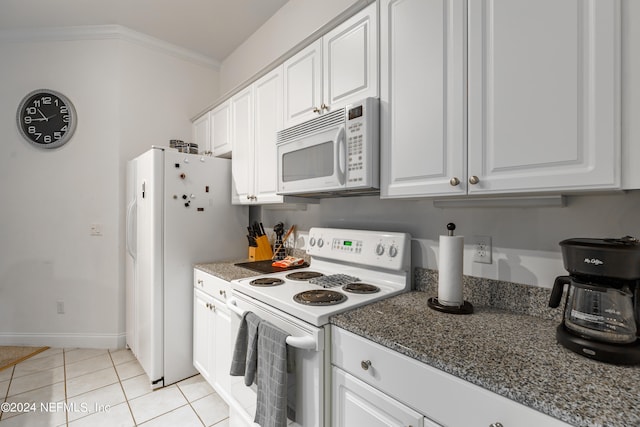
(213, 28)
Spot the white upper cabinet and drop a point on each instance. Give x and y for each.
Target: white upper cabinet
(335, 70)
(422, 97)
(221, 130)
(201, 132)
(544, 95)
(501, 96)
(256, 116)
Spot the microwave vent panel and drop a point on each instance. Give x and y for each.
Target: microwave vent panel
(311, 126)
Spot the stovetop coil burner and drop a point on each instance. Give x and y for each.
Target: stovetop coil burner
(320, 297)
(266, 281)
(303, 275)
(361, 288)
(334, 280)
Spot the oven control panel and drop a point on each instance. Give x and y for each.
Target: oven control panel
(387, 250)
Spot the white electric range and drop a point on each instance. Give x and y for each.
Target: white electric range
(348, 268)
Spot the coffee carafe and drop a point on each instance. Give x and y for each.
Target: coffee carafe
(601, 313)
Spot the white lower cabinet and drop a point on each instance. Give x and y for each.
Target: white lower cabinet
(373, 385)
(356, 403)
(212, 331)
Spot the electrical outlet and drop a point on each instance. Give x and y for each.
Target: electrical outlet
(60, 307)
(482, 249)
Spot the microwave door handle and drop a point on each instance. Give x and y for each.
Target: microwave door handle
(342, 155)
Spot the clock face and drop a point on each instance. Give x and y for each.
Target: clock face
(46, 118)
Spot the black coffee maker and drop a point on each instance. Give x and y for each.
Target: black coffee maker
(601, 314)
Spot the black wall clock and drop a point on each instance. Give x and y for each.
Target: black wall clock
(46, 118)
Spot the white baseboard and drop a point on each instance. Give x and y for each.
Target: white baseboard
(110, 341)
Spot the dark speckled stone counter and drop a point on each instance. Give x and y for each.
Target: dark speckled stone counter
(512, 354)
(226, 270)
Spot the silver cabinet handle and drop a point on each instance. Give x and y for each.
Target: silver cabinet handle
(200, 282)
(473, 180)
(454, 181)
(496, 425)
(317, 110)
(324, 107)
(365, 364)
(223, 293)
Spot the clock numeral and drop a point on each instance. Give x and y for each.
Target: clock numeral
(57, 135)
(63, 109)
(27, 120)
(38, 135)
(31, 129)
(47, 139)
(31, 110)
(46, 100)
(36, 103)
(65, 118)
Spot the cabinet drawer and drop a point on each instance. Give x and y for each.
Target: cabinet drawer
(212, 285)
(431, 392)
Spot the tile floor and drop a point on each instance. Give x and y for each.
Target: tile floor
(88, 387)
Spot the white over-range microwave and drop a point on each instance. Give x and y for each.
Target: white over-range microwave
(336, 154)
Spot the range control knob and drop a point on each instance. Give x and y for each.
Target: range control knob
(320, 242)
(393, 251)
(312, 241)
(380, 249)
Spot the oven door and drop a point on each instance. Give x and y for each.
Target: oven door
(313, 163)
(308, 344)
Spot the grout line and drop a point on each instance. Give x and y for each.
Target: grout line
(6, 395)
(189, 403)
(126, 398)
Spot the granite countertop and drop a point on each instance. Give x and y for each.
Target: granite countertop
(226, 270)
(511, 354)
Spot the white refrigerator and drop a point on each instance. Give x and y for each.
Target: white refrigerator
(179, 213)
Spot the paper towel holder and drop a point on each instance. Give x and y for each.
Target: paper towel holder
(465, 308)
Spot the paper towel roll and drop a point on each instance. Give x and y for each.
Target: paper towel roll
(450, 272)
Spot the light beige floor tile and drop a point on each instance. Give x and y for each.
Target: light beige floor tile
(122, 356)
(157, 403)
(5, 374)
(97, 400)
(36, 364)
(129, 370)
(36, 380)
(211, 409)
(86, 366)
(48, 395)
(183, 417)
(74, 355)
(36, 418)
(116, 416)
(4, 387)
(195, 388)
(137, 386)
(92, 381)
(223, 423)
(48, 352)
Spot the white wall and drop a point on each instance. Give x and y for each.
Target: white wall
(127, 96)
(525, 240)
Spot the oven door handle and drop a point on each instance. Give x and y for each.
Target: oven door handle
(304, 343)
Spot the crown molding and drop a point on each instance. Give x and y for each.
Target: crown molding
(104, 32)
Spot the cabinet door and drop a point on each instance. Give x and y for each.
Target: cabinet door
(423, 103)
(242, 134)
(201, 130)
(303, 84)
(544, 95)
(203, 328)
(268, 121)
(221, 130)
(350, 59)
(222, 351)
(358, 404)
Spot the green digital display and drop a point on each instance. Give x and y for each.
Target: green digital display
(347, 243)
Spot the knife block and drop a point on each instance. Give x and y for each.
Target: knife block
(262, 251)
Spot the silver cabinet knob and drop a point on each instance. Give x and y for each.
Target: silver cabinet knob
(454, 181)
(317, 110)
(365, 364)
(324, 107)
(496, 425)
(473, 180)
(200, 282)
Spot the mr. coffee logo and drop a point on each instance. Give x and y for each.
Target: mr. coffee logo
(593, 261)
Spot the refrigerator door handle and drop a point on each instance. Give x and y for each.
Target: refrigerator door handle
(131, 212)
